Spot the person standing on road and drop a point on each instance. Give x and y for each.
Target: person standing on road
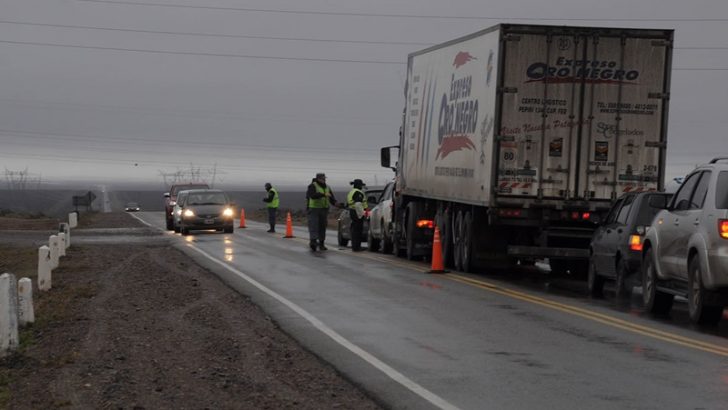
(272, 201)
(356, 201)
(319, 198)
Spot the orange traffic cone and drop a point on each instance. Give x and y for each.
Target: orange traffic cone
(242, 218)
(437, 265)
(289, 226)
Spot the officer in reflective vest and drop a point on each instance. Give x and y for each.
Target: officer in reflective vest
(356, 201)
(272, 203)
(319, 197)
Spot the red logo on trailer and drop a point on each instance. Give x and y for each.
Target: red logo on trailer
(462, 58)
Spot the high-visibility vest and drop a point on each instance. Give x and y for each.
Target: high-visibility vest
(350, 198)
(322, 202)
(275, 202)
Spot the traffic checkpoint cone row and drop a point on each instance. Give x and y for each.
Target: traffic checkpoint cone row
(437, 263)
(289, 226)
(242, 218)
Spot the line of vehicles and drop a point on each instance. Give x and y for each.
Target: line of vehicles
(191, 207)
(525, 142)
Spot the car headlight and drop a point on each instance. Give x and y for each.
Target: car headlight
(228, 212)
(179, 212)
(188, 213)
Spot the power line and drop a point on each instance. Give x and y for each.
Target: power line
(108, 138)
(189, 53)
(309, 59)
(255, 37)
(215, 35)
(393, 15)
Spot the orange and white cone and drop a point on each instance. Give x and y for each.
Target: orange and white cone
(289, 226)
(437, 264)
(242, 218)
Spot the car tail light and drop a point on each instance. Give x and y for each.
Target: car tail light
(425, 223)
(585, 216)
(635, 243)
(723, 228)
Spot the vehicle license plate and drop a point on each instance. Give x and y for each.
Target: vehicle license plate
(209, 221)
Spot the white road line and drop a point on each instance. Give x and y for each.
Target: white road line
(144, 222)
(318, 324)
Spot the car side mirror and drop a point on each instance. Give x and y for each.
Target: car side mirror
(166, 194)
(658, 202)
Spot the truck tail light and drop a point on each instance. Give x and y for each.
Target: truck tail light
(723, 228)
(425, 223)
(585, 216)
(509, 213)
(635, 243)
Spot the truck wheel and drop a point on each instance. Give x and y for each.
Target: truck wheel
(373, 243)
(457, 241)
(410, 229)
(558, 267)
(595, 282)
(445, 224)
(701, 311)
(655, 301)
(466, 249)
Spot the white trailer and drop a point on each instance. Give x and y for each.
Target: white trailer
(516, 139)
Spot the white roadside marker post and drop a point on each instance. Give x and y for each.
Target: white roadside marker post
(65, 228)
(72, 220)
(8, 314)
(53, 244)
(61, 244)
(26, 314)
(44, 268)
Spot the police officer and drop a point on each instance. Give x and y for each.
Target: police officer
(272, 201)
(319, 198)
(356, 201)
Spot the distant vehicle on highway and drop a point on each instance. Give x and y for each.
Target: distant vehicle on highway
(170, 199)
(616, 247)
(203, 209)
(344, 220)
(132, 207)
(380, 222)
(686, 249)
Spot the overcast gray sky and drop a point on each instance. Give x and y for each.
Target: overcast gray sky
(275, 91)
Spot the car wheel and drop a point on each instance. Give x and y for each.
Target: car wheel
(699, 307)
(176, 229)
(655, 301)
(229, 229)
(184, 231)
(373, 243)
(387, 244)
(170, 224)
(595, 282)
(622, 288)
(342, 241)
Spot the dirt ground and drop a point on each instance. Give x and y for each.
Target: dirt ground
(142, 326)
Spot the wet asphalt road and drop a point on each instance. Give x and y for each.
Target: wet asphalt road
(491, 341)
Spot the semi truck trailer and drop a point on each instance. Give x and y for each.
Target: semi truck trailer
(516, 139)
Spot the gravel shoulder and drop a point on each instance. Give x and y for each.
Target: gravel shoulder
(140, 325)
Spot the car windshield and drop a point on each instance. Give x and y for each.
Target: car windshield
(131, 204)
(176, 189)
(208, 198)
